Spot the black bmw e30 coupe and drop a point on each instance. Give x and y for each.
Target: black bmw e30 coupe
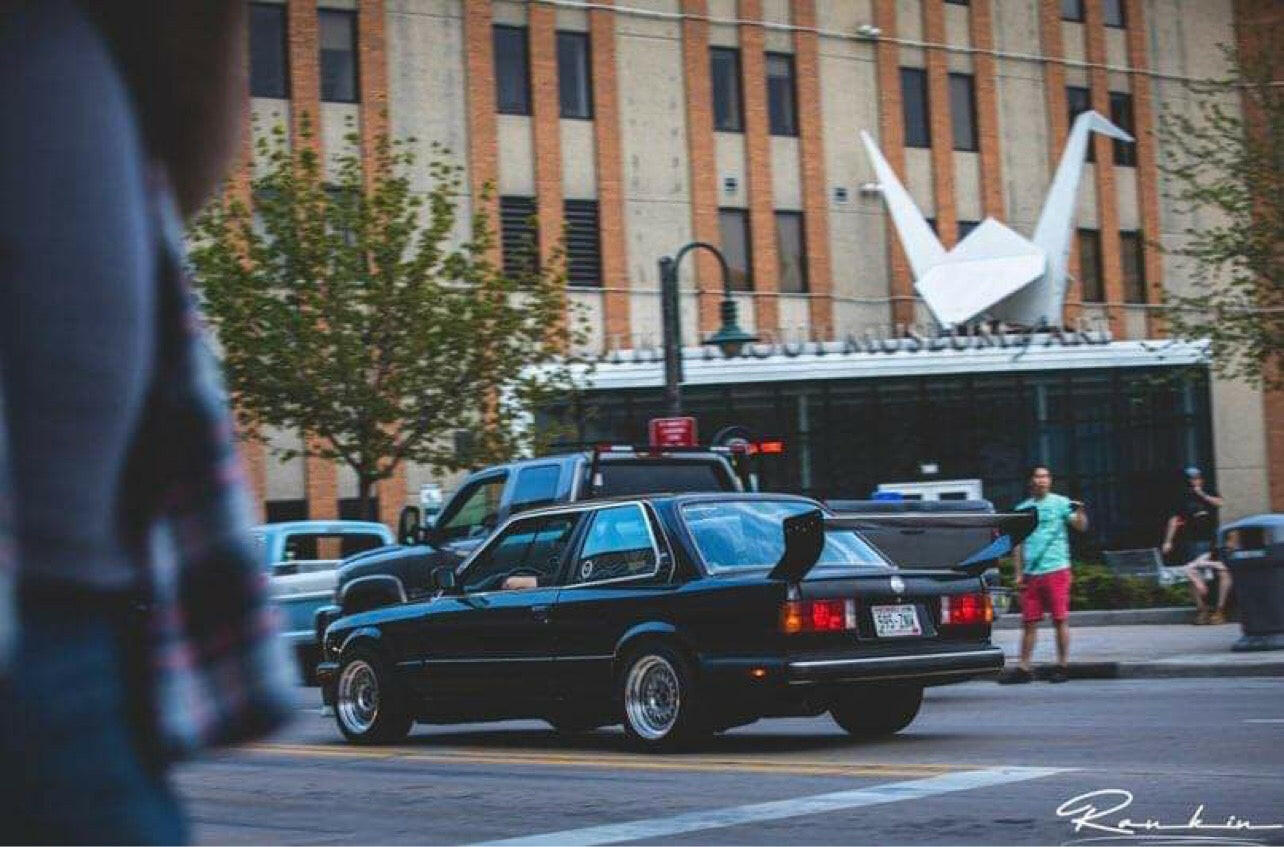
(675, 615)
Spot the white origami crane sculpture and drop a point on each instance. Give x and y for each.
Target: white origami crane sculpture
(994, 269)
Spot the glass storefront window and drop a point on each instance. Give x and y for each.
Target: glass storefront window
(1116, 438)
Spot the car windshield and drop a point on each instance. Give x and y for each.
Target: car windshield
(749, 534)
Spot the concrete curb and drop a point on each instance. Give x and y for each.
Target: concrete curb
(1192, 670)
(1164, 670)
(1112, 617)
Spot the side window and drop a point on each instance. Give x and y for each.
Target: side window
(531, 547)
(477, 512)
(618, 545)
(536, 486)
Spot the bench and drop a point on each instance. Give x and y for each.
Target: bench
(1144, 563)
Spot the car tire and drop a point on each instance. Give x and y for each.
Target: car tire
(370, 706)
(659, 701)
(876, 712)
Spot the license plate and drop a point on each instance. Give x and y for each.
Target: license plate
(895, 621)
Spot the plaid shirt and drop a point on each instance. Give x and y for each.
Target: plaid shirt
(219, 673)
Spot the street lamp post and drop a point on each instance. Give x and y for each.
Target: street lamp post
(729, 338)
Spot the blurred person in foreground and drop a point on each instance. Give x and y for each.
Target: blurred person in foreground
(1043, 573)
(133, 623)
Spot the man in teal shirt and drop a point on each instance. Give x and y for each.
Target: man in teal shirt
(1043, 572)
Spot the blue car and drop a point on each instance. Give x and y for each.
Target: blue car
(302, 559)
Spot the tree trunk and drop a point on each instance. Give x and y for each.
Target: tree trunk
(367, 488)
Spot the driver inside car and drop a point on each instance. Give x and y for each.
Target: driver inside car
(542, 557)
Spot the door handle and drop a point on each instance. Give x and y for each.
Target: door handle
(540, 613)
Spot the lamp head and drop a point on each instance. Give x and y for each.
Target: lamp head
(730, 338)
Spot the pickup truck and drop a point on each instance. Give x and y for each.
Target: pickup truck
(302, 559)
(490, 496)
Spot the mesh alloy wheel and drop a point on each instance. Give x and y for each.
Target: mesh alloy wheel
(652, 697)
(357, 699)
(370, 705)
(659, 700)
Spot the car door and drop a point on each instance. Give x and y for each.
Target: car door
(488, 647)
(472, 515)
(619, 575)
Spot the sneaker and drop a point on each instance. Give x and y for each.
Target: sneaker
(1015, 676)
(1058, 674)
(1217, 618)
(1202, 617)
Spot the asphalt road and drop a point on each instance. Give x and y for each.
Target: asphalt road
(983, 764)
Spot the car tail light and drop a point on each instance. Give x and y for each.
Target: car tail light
(963, 609)
(817, 616)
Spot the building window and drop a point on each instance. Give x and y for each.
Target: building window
(966, 227)
(1090, 281)
(1121, 116)
(963, 111)
(958, 2)
(791, 251)
(512, 71)
(918, 132)
(728, 112)
(573, 85)
(279, 511)
(1072, 10)
(1113, 13)
(517, 231)
(269, 74)
(338, 55)
(733, 225)
(583, 244)
(782, 111)
(1078, 101)
(1133, 254)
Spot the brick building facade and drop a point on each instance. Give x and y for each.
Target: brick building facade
(616, 119)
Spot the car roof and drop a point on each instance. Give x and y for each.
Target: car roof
(676, 499)
(605, 456)
(324, 526)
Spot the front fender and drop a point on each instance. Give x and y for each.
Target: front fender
(368, 634)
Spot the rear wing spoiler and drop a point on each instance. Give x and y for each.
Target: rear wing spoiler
(805, 535)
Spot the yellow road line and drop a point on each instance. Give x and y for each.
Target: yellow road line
(493, 757)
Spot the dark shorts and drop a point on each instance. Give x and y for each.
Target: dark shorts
(1046, 592)
(76, 766)
(1194, 549)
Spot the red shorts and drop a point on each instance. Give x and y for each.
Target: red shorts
(1046, 592)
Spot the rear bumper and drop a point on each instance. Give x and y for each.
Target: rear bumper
(930, 667)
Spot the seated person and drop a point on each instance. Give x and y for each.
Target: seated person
(1201, 570)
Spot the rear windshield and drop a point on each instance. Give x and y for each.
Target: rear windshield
(328, 545)
(750, 534)
(652, 476)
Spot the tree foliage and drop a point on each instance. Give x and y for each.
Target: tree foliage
(350, 311)
(1225, 162)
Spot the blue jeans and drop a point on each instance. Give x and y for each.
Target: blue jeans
(75, 760)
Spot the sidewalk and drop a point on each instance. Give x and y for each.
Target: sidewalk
(1155, 650)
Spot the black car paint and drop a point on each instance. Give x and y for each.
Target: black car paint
(553, 650)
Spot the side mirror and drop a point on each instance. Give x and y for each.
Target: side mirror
(443, 578)
(410, 526)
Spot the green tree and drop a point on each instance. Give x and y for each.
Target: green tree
(1224, 158)
(350, 311)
